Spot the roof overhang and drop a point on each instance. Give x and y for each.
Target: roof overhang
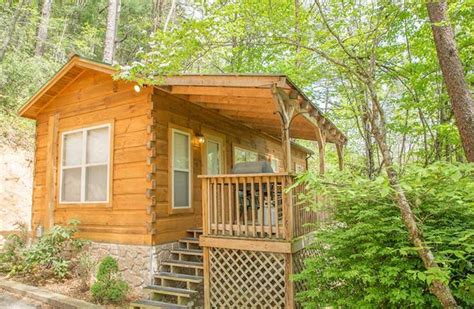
(248, 98)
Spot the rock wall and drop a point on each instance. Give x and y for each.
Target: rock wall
(16, 185)
(137, 263)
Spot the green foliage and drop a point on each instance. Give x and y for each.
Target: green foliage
(364, 257)
(49, 257)
(84, 269)
(109, 287)
(11, 253)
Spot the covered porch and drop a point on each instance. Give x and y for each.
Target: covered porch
(255, 232)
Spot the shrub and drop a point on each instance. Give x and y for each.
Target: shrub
(50, 257)
(84, 269)
(109, 287)
(52, 254)
(13, 247)
(364, 257)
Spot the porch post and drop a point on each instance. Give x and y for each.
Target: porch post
(322, 149)
(285, 106)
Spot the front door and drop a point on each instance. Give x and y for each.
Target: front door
(213, 156)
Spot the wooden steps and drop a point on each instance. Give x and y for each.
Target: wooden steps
(179, 277)
(153, 304)
(183, 264)
(179, 283)
(166, 290)
(187, 251)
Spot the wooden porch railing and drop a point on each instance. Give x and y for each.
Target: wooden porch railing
(255, 206)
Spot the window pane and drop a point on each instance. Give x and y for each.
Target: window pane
(181, 189)
(72, 152)
(243, 155)
(239, 155)
(213, 158)
(96, 183)
(98, 145)
(252, 156)
(181, 151)
(71, 186)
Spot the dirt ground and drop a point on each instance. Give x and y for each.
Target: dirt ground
(16, 183)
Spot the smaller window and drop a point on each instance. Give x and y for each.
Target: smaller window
(181, 169)
(244, 155)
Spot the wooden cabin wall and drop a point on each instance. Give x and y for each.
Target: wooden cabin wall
(94, 98)
(172, 111)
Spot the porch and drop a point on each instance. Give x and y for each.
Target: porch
(255, 236)
(255, 232)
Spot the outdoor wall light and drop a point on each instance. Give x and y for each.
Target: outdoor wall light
(137, 88)
(200, 138)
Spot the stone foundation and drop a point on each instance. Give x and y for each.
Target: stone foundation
(137, 263)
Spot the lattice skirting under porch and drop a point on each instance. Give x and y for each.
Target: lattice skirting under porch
(298, 266)
(243, 279)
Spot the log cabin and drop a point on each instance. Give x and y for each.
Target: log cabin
(150, 174)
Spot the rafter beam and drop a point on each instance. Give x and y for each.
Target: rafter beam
(222, 91)
(256, 81)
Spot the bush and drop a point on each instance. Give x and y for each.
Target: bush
(13, 247)
(109, 287)
(50, 257)
(84, 269)
(364, 257)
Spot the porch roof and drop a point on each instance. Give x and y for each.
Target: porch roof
(251, 99)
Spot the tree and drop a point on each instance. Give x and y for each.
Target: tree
(43, 27)
(11, 29)
(453, 73)
(111, 33)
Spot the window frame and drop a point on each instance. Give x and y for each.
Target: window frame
(275, 159)
(221, 142)
(189, 134)
(235, 147)
(83, 166)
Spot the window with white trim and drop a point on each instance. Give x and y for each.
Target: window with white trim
(85, 165)
(244, 155)
(181, 169)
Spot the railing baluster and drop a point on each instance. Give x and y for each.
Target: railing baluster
(214, 194)
(229, 192)
(222, 204)
(252, 201)
(275, 196)
(244, 194)
(269, 206)
(237, 204)
(260, 202)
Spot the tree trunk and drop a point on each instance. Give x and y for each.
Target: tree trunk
(170, 14)
(43, 27)
(377, 120)
(453, 73)
(11, 30)
(111, 33)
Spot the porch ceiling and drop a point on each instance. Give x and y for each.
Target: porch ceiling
(251, 99)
